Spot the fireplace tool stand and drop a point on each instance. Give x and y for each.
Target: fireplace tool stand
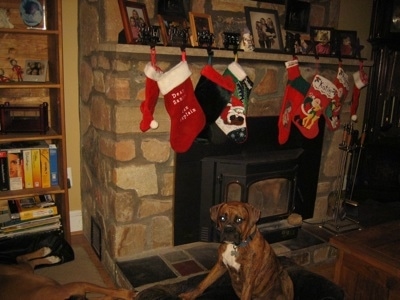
(340, 222)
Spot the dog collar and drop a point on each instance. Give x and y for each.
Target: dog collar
(248, 240)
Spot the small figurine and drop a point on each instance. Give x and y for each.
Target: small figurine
(247, 43)
(3, 78)
(4, 20)
(17, 69)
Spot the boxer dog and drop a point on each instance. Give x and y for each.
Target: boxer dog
(253, 266)
(20, 282)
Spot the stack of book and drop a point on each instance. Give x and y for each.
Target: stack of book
(29, 215)
(28, 165)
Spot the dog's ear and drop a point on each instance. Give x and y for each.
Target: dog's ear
(214, 212)
(254, 213)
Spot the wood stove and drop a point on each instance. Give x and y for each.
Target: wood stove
(266, 180)
(293, 167)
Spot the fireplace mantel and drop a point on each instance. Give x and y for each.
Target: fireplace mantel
(141, 52)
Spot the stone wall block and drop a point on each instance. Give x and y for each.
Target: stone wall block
(155, 150)
(142, 178)
(118, 89)
(126, 240)
(87, 81)
(123, 150)
(99, 81)
(151, 207)
(268, 83)
(101, 113)
(123, 205)
(161, 231)
(125, 118)
(168, 184)
(88, 19)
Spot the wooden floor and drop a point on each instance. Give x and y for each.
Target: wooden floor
(78, 239)
(324, 269)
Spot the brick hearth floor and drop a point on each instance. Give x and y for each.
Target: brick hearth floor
(181, 262)
(309, 248)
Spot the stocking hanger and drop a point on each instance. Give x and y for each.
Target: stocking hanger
(153, 55)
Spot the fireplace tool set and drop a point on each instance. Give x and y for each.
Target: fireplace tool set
(337, 201)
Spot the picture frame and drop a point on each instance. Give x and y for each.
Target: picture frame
(322, 41)
(202, 30)
(35, 70)
(346, 42)
(134, 19)
(265, 28)
(395, 18)
(33, 13)
(176, 8)
(174, 30)
(297, 15)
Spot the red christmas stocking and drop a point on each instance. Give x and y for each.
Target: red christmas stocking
(332, 111)
(187, 117)
(152, 92)
(232, 121)
(321, 92)
(295, 91)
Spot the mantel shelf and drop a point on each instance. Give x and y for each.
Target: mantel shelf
(169, 53)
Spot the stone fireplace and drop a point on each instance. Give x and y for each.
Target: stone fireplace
(128, 177)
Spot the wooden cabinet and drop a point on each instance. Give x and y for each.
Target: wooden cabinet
(368, 264)
(41, 43)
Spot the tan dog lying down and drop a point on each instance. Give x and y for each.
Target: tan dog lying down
(19, 282)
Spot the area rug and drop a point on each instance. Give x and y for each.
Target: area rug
(79, 269)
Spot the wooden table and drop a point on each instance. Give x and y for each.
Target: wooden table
(368, 264)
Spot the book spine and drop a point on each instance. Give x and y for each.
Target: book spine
(45, 167)
(53, 165)
(37, 213)
(15, 169)
(13, 208)
(28, 178)
(36, 174)
(4, 178)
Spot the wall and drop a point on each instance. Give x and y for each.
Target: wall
(71, 83)
(127, 176)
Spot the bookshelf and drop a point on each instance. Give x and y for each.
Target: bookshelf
(42, 44)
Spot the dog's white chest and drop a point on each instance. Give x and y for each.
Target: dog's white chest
(228, 257)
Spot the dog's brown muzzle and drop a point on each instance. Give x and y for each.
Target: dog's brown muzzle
(230, 234)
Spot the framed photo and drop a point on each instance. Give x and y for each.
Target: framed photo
(174, 30)
(33, 13)
(134, 18)
(176, 8)
(35, 70)
(321, 40)
(265, 28)
(202, 30)
(297, 15)
(346, 42)
(395, 20)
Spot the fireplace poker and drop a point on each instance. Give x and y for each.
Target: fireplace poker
(362, 140)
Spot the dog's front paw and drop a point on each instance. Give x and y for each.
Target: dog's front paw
(188, 295)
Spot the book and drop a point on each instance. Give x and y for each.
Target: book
(13, 209)
(4, 212)
(53, 164)
(45, 167)
(36, 173)
(4, 178)
(31, 208)
(43, 228)
(27, 161)
(15, 225)
(15, 169)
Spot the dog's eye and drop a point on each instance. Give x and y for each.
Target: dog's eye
(238, 220)
(222, 218)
